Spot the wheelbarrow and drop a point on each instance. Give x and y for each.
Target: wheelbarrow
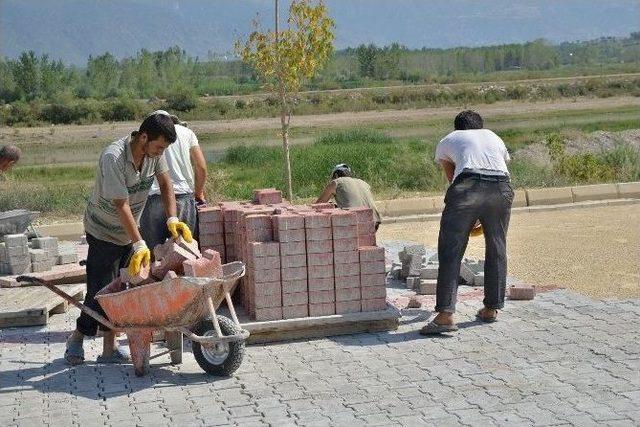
(178, 306)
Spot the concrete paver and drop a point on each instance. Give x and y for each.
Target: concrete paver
(562, 359)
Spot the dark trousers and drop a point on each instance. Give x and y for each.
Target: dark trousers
(104, 262)
(153, 222)
(474, 197)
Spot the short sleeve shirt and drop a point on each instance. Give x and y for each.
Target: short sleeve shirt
(117, 178)
(178, 156)
(477, 150)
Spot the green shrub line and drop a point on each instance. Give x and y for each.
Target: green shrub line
(393, 166)
(185, 102)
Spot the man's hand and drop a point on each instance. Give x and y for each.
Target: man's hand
(141, 256)
(176, 228)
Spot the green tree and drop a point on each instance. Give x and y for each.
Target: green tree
(26, 73)
(367, 59)
(284, 59)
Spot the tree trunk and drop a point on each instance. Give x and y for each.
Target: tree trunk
(287, 158)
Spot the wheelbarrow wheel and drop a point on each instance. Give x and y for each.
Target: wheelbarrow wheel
(220, 359)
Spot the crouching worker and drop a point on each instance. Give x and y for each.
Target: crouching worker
(475, 163)
(348, 191)
(188, 172)
(126, 170)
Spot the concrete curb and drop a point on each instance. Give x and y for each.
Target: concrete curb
(528, 209)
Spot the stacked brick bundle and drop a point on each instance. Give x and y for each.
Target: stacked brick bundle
(18, 255)
(14, 254)
(301, 260)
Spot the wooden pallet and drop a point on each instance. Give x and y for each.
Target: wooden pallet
(32, 305)
(59, 274)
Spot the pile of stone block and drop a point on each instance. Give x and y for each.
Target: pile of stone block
(302, 260)
(421, 271)
(18, 255)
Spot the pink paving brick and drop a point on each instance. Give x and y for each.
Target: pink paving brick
(141, 278)
(374, 304)
(317, 220)
(209, 214)
(348, 294)
(289, 261)
(322, 206)
(522, 292)
(173, 257)
(348, 257)
(294, 286)
(345, 232)
(256, 222)
(210, 265)
(320, 259)
(321, 284)
(266, 276)
(296, 273)
(295, 311)
(318, 234)
(344, 245)
(267, 289)
(316, 297)
(371, 253)
(363, 214)
(367, 280)
(264, 263)
(366, 228)
(347, 282)
(293, 248)
(322, 309)
(296, 298)
(344, 307)
(320, 271)
(267, 314)
(267, 196)
(372, 267)
(287, 222)
(367, 240)
(268, 301)
(211, 239)
(346, 269)
(319, 247)
(259, 235)
(286, 236)
(264, 249)
(373, 292)
(212, 228)
(340, 218)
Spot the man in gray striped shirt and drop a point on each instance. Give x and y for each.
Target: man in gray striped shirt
(125, 173)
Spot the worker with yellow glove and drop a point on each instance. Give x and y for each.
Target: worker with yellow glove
(126, 170)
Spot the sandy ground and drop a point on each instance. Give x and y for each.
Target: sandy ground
(593, 251)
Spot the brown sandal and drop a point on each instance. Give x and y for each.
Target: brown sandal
(484, 318)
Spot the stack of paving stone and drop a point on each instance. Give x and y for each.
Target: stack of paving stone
(14, 254)
(302, 260)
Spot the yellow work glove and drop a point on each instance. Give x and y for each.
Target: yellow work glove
(176, 227)
(141, 256)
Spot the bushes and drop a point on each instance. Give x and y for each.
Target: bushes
(181, 100)
(123, 109)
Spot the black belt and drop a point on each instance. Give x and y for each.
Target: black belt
(482, 177)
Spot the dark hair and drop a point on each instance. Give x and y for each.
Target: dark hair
(341, 170)
(157, 125)
(468, 119)
(10, 152)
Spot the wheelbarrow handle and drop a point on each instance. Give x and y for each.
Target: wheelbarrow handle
(53, 288)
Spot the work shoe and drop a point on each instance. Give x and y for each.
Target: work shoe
(74, 353)
(433, 328)
(119, 355)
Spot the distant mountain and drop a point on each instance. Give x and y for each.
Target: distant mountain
(74, 29)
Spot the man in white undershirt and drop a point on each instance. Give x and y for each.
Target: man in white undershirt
(475, 163)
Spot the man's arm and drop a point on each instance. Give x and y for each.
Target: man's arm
(199, 165)
(167, 194)
(328, 192)
(449, 169)
(127, 220)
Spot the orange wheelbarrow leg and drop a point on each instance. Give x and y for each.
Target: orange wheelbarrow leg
(140, 346)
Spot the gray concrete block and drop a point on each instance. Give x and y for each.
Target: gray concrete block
(38, 255)
(413, 282)
(427, 287)
(47, 243)
(38, 267)
(478, 279)
(67, 258)
(15, 240)
(466, 273)
(17, 251)
(430, 272)
(20, 269)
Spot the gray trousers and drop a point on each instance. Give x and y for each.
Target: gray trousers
(473, 197)
(153, 222)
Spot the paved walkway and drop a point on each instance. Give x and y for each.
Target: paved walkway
(558, 360)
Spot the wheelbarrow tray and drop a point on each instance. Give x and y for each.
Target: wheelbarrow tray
(172, 303)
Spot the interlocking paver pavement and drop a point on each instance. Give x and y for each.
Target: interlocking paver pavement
(562, 359)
